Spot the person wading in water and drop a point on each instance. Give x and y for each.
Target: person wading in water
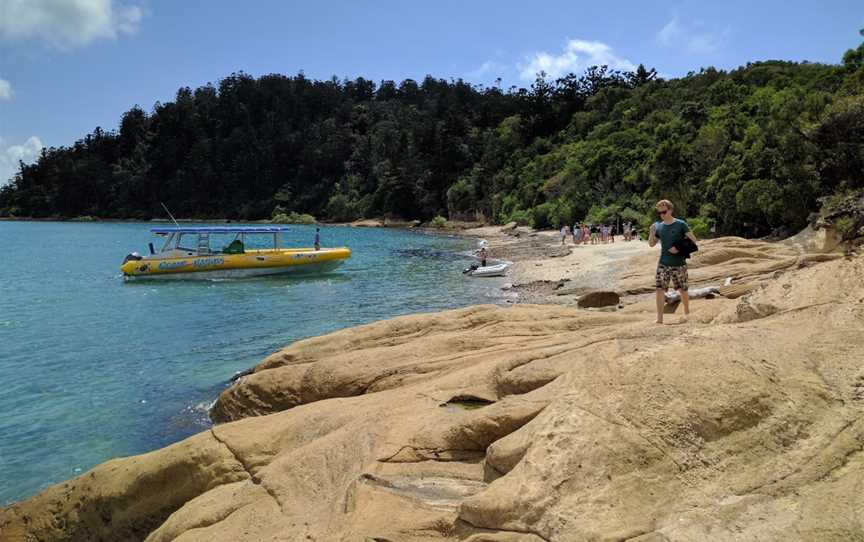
(672, 266)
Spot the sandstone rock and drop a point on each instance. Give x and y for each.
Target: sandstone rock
(598, 298)
(368, 223)
(399, 223)
(596, 426)
(125, 499)
(746, 260)
(734, 291)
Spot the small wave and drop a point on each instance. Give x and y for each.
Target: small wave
(193, 417)
(202, 407)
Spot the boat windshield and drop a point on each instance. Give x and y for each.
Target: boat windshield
(220, 240)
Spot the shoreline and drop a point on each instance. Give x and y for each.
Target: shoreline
(360, 223)
(546, 272)
(377, 246)
(476, 420)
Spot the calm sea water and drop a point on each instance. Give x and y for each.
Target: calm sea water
(92, 367)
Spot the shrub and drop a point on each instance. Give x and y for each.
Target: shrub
(845, 226)
(523, 217)
(342, 209)
(439, 222)
(843, 211)
(599, 214)
(461, 197)
(293, 218)
(541, 215)
(701, 226)
(562, 214)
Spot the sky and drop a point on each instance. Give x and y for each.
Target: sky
(68, 66)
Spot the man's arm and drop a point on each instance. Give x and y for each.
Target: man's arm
(652, 235)
(692, 237)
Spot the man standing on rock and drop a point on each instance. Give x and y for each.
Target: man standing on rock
(672, 266)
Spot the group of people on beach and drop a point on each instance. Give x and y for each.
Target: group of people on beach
(596, 234)
(676, 241)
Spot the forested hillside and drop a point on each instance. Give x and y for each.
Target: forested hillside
(749, 150)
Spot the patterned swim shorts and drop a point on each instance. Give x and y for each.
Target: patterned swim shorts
(676, 275)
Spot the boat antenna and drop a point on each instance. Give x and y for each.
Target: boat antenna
(169, 214)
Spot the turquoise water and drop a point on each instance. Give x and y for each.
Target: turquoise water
(92, 367)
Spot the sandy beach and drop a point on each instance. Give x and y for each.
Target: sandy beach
(545, 271)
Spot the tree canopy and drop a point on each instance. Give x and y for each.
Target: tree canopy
(749, 150)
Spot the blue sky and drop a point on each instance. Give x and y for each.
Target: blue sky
(67, 66)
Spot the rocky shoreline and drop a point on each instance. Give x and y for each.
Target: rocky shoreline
(526, 423)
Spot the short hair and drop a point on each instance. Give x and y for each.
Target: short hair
(665, 203)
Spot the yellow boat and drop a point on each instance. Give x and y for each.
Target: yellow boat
(233, 260)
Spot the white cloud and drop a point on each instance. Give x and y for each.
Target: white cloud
(669, 33)
(66, 24)
(490, 67)
(703, 44)
(576, 56)
(5, 90)
(9, 157)
(692, 38)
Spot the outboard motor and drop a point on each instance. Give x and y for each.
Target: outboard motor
(469, 269)
(132, 257)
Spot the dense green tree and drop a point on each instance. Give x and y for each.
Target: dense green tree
(750, 150)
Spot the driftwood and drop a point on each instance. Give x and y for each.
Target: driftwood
(695, 293)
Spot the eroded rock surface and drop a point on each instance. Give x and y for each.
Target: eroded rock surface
(530, 423)
(598, 298)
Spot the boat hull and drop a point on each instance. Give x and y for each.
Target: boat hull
(498, 270)
(255, 263)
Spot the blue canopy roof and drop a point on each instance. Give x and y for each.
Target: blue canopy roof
(219, 229)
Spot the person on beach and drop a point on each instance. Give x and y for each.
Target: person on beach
(483, 255)
(317, 238)
(577, 234)
(672, 266)
(586, 234)
(595, 231)
(564, 232)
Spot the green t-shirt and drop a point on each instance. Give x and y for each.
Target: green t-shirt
(669, 234)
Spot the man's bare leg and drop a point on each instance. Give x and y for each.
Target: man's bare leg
(685, 300)
(661, 301)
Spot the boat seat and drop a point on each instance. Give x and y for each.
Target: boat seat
(234, 247)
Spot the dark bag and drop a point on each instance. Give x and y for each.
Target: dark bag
(686, 247)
